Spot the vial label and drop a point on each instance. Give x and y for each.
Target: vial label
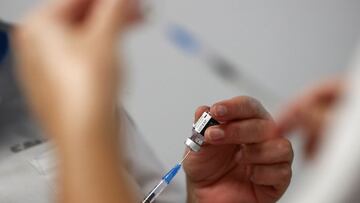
(202, 122)
(195, 141)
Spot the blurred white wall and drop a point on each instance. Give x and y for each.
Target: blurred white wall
(283, 44)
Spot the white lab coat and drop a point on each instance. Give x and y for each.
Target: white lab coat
(28, 164)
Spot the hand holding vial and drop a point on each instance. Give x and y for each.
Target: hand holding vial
(241, 160)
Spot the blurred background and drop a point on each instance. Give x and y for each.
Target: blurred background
(282, 46)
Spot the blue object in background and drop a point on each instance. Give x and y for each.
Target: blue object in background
(183, 39)
(4, 45)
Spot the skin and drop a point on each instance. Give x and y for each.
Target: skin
(71, 77)
(243, 161)
(310, 113)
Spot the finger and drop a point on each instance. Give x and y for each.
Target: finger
(68, 10)
(240, 132)
(295, 115)
(109, 15)
(290, 119)
(270, 152)
(329, 90)
(312, 144)
(322, 95)
(238, 108)
(135, 13)
(314, 130)
(200, 110)
(278, 175)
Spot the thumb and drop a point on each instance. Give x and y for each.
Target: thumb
(200, 110)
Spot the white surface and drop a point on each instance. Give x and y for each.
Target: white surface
(284, 44)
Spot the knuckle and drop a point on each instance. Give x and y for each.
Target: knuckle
(234, 131)
(258, 129)
(285, 171)
(249, 101)
(254, 102)
(243, 105)
(262, 126)
(285, 147)
(255, 105)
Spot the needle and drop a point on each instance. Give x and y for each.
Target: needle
(187, 154)
(164, 182)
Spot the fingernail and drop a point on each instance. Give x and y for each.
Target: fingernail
(220, 110)
(216, 134)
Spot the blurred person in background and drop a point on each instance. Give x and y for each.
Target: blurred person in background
(311, 111)
(69, 72)
(28, 163)
(328, 116)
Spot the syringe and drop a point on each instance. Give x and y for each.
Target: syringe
(165, 181)
(235, 75)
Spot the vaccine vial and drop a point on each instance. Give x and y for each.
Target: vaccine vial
(196, 140)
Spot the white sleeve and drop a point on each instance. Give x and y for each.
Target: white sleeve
(146, 169)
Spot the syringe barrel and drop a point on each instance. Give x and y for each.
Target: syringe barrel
(155, 192)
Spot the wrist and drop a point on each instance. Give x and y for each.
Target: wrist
(191, 197)
(98, 128)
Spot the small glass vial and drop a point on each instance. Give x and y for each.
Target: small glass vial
(196, 140)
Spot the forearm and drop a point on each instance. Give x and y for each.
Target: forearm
(91, 169)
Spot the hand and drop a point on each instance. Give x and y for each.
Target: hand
(69, 73)
(310, 113)
(241, 162)
(67, 60)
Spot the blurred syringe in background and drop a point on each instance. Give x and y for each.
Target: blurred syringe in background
(223, 68)
(233, 74)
